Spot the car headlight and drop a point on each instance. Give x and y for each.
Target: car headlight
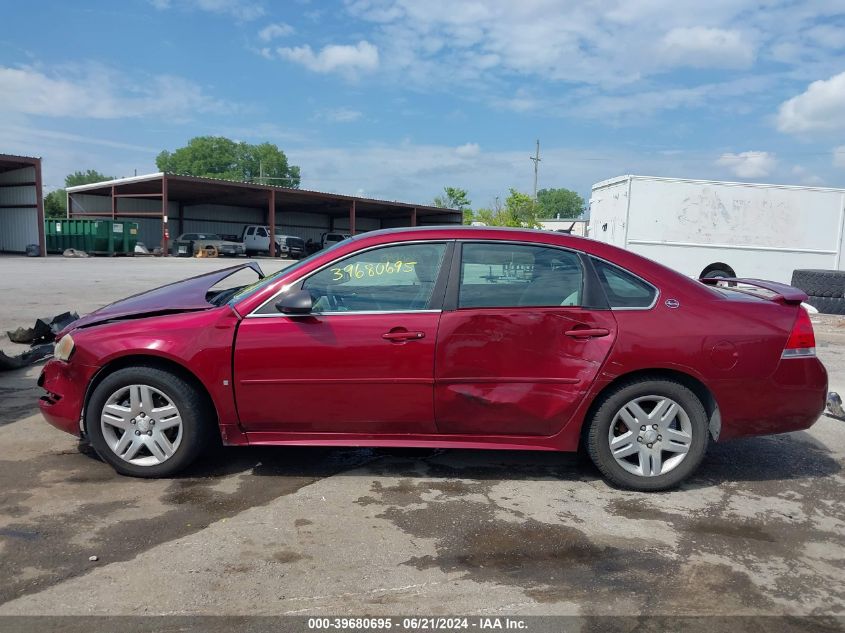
(64, 348)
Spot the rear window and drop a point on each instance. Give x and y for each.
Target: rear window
(505, 275)
(623, 289)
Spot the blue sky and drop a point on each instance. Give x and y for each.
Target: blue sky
(397, 98)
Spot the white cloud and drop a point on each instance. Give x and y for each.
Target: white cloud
(594, 42)
(839, 156)
(820, 108)
(272, 31)
(748, 164)
(56, 135)
(704, 47)
(468, 150)
(806, 177)
(349, 59)
(94, 91)
(340, 115)
(243, 10)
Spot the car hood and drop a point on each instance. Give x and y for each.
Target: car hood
(180, 296)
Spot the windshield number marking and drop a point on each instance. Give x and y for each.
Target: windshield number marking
(359, 270)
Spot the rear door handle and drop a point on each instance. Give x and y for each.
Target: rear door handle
(587, 332)
(403, 336)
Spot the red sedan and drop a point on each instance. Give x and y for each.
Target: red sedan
(443, 337)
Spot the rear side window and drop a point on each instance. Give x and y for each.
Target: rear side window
(623, 289)
(501, 275)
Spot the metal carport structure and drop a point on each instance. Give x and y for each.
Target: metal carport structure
(172, 204)
(21, 204)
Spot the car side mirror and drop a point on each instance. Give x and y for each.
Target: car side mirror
(297, 302)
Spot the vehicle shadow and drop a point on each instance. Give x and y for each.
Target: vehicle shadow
(761, 459)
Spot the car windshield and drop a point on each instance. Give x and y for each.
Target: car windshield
(251, 289)
(207, 236)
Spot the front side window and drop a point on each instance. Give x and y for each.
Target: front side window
(260, 232)
(390, 278)
(515, 275)
(623, 289)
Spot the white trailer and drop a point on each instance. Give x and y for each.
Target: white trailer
(706, 228)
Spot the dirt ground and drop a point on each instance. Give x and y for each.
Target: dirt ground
(760, 529)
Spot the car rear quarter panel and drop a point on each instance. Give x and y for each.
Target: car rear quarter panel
(733, 347)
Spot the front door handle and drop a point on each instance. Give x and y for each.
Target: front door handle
(587, 332)
(403, 335)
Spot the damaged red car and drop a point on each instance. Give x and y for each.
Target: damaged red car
(443, 337)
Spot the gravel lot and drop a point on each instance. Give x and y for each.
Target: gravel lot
(759, 530)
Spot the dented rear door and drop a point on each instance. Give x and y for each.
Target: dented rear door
(515, 369)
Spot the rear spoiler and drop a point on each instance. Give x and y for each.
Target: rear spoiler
(783, 293)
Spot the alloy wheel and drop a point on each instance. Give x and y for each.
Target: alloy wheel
(141, 425)
(650, 435)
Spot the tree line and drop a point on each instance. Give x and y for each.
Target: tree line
(518, 210)
(204, 156)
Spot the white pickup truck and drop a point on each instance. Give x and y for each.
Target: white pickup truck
(330, 239)
(256, 239)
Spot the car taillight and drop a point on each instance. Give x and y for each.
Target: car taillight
(802, 340)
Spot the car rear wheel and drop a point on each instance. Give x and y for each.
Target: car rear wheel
(147, 422)
(648, 434)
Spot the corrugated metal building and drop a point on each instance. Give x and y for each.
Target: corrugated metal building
(166, 205)
(21, 204)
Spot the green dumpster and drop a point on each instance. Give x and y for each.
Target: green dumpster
(96, 237)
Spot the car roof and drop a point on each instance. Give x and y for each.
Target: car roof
(647, 268)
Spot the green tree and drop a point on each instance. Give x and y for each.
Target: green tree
(519, 210)
(85, 178)
(55, 202)
(486, 216)
(563, 203)
(220, 157)
(455, 198)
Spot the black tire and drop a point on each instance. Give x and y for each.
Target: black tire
(828, 305)
(713, 274)
(197, 419)
(599, 428)
(820, 283)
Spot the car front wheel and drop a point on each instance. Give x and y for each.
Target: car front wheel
(147, 422)
(648, 434)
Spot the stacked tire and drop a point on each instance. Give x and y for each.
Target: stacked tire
(825, 289)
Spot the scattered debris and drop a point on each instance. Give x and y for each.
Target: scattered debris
(72, 252)
(834, 405)
(22, 335)
(40, 338)
(44, 330)
(93, 558)
(30, 356)
(141, 249)
(33, 250)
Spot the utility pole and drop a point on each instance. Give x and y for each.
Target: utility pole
(536, 158)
